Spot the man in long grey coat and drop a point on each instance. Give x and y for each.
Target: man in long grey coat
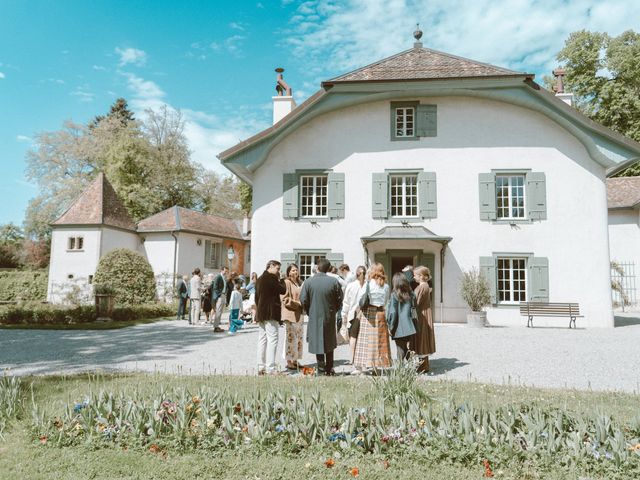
(321, 297)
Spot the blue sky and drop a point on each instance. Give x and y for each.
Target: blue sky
(215, 60)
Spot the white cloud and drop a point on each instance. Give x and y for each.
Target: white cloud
(23, 138)
(83, 95)
(237, 26)
(99, 67)
(207, 134)
(335, 38)
(2, 75)
(131, 56)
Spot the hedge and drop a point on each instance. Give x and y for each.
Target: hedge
(23, 285)
(53, 314)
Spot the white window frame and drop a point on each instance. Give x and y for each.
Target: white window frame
(314, 207)
(404, 196)
(404, 127)
(511, 289)
(75, 244)
(305, 262)
(512, 196)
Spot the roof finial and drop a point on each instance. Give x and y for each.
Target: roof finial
(417, 35)
(559, 73)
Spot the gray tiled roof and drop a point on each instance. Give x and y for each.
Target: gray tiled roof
(98, 204)
(623, 192)
(423, 63)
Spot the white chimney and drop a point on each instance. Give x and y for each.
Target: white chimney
(283, 103)
(246, 226)
(567, 98)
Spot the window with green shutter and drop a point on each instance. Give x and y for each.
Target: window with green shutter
(306, 259)
(515, 278)
(410, 120)
(313, 195)
(512, 196)
(404, 195)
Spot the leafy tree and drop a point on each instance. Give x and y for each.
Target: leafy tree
(219, 194)
(11, 238)
(603, 72)
(129, 274)
(246, 197)
(119, 111)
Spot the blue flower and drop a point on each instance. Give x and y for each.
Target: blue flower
(334, 437)
(280, 428)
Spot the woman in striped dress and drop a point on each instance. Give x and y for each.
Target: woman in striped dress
(372, 347)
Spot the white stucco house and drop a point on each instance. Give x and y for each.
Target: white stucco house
(623, 198)
(428, 158)
(174, 241)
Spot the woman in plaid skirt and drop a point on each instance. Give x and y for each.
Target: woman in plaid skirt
(372, 347)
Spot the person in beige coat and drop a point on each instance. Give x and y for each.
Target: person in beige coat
(292, 317)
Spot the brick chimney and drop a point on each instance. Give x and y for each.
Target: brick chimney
(283, 102)
(567, 98)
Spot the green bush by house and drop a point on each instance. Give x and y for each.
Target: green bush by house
(129, 274)
(58, 315)
(23, 285)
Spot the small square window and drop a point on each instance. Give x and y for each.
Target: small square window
(313, 196)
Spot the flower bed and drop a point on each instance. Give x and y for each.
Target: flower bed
(58, 315)
(177, 420)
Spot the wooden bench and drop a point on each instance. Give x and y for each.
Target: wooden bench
(543, 309)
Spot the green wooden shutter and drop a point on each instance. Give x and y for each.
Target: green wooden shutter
(335, 258)
(488, 269)
(536, 196)
(380, 195)
(290, 195)
(287, 258)
(336, 194)
(427, 195)
(427, 121)
(207, 254)
(487, 186)
(538, 279)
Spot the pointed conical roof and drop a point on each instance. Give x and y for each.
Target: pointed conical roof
(98, 204)
(420, 63)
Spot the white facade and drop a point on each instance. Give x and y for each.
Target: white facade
(71, 270)
(473, 136)
(624, 243)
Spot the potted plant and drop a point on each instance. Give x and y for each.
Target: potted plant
(104, 297)
(476, 292)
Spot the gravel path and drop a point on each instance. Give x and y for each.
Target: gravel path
(598, 359)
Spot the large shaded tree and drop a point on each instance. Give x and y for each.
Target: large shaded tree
(147, 162)
(603, 73)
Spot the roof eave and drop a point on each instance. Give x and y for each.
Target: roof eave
(330, 83)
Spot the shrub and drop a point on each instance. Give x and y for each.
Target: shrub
(58, 315)
(475, 290)
(23, 285)
(129, 274)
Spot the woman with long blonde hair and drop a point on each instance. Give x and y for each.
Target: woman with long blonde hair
(372, 347)
(425, 339)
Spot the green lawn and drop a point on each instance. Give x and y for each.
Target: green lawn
(23, 456)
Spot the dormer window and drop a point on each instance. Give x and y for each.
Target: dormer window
(413, 120)
(75, 243)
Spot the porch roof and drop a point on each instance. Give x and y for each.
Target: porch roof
(405, 232)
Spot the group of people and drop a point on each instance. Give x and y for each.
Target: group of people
(361, 309)
(209, 295)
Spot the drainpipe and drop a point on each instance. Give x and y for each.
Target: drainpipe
(175, 256)
(444, 245)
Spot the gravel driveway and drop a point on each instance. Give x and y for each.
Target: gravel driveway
(598, 359)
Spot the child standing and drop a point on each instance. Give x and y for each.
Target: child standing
(235, 304)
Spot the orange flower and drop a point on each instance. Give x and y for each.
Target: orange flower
(237, 408)
(385, 464)
(308, 371)
(330, 462)
(355, 471)
(43, 439)
(487, 468)
(245, 429)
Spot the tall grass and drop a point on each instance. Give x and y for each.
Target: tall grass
(11, 400)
